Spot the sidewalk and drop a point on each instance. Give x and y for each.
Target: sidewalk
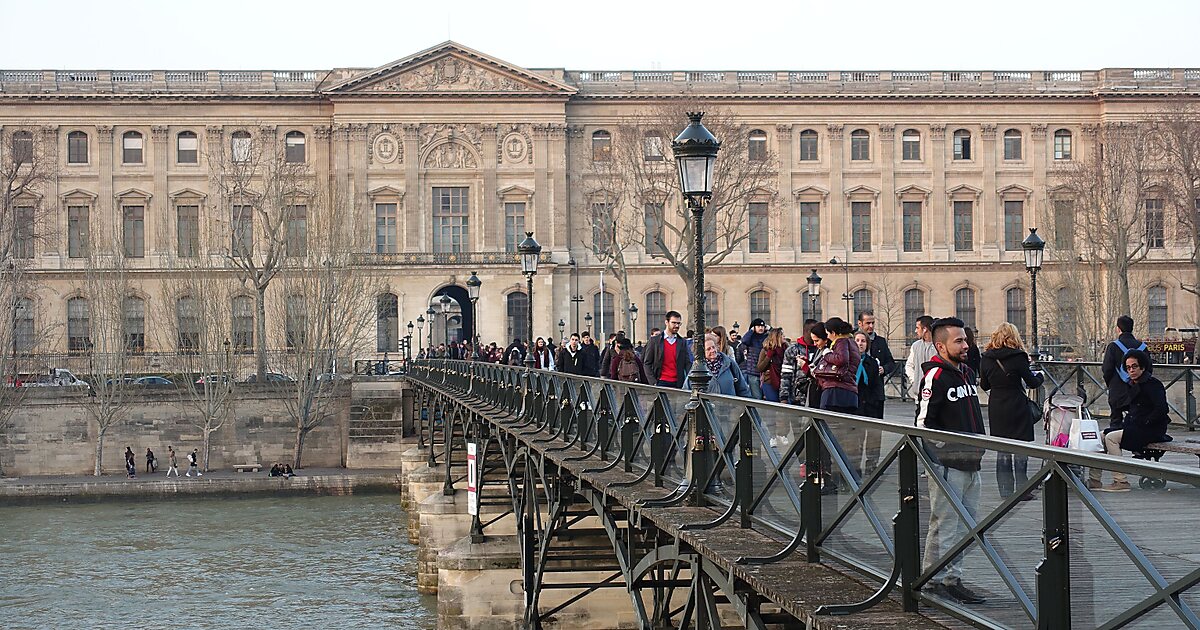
(153, 486)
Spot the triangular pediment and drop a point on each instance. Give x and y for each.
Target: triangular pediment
(450, 68)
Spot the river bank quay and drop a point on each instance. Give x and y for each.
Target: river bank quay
(218, 483)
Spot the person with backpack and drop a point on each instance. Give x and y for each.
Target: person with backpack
(193, 464)
(1146, 419)
(751, 346)
(1113, 370)
(626, 366)
(514, 354)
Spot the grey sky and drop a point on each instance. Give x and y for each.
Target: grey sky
(606, 35)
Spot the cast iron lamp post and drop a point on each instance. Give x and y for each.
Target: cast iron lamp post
(420, 334)
(695, 150)
(432, 317)
(814, 293)
(445, 302)
(587, 320)
(1034, 247)
(473, 285)
(530, 251)
(408, 342)
(846, 295)
(562, 328)
(633, 310)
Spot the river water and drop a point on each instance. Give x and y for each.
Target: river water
(294, 562)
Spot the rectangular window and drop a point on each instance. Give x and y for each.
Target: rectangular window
(910, 147)
(760, 306)
(964, 306)
(760, 234)
(1064, 224)
(860, 225)
(810, 226)
(1155, 224)
(602, 227)
(79, 326)
(652, 148)
(243, 232)
(77, 231)
(131, 149)
(385, 228)
(296, 244)
(134, 231)
(860, 147)
(514, 225)
(23, 232)
(912, 226)
(188, 149)
(914, 308)
(187, 231)
(450, 213)
(964, 226)
(653, 226)
(135, 325)
(77, 148)
(1014, 225)
(1014, 303)
(962, 146)
(243, 324)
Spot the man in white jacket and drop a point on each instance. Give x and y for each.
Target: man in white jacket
(921, 351)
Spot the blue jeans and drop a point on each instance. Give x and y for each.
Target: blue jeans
(945, 527)
(769, 393)
(752, 380)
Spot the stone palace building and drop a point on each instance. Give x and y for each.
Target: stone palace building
(921, 184)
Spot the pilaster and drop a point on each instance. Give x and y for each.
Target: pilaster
(556, 158)
(890, 248)
(104, 219)
(786, 215)
(490, 226)
(357, 150)
(942, 223)
(541, 188)
(412, 221)
(989, 217)
(158, 239)
(50, 246)
(837, 217)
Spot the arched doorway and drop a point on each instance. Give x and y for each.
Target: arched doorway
(459, 323)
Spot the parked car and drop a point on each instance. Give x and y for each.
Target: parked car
(54, 377)
(212, 379)
(112, 382)
(153, 380)
(332, 376)
(271, 377)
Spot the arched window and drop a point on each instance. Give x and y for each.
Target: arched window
(860, 145)
(77, 148)
(1012, 144)
(24, 337)
(134, 324)
(79, 325)
(712, 309)
(601, 146)
(863, 301)
(387, 323)
(914, 308)
(808, 145)
(656, 310)
(296, 324)
(757, 146)
(242, 323)
(131, 147)
(760, 306)
(964, 306)
(518, 316)
(293, 147)
(652, 147)
(187, 317)
(810, 309)
(1067, 315)
(605, 316)
(1014, 311)
(1156, 319)
(240, 146)
(910, 145)
(22, 147)
(962, 144)
(1062, 144)
(187, 148)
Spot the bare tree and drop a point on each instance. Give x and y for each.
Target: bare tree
(324, 310)
(1107, 189)
(1177, 131)
(259, 192)
(889, 307)
(634, 190)
(105, 288)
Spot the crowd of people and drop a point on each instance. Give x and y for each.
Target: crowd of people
(840, 367)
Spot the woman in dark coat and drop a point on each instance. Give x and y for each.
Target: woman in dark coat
(1145, 422)
(1005, 373)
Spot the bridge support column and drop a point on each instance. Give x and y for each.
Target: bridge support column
(422, 482)
(410, 460)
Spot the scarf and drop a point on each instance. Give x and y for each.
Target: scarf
(861, 376)
(714, 364)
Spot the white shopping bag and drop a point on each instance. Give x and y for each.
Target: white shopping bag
(1086, 436)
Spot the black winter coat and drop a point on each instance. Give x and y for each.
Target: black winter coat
(949, 402)
(1005, 373)
(1118, 390)
(1148, 417)
(872, 390)
(591, 359)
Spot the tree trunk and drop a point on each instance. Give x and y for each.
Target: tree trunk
(99, 451)
(260, 333)
(206, 444)
(300, 431)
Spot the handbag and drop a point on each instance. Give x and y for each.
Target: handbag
(1035, 410)
(1085, 436)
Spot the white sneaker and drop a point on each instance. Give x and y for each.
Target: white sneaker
(774, 442)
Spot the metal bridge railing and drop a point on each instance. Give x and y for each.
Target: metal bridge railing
(858, 492)
(1073, 376)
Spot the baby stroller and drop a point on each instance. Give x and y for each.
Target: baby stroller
(1069, 424)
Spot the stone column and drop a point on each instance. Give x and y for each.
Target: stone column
(990, 220)
(559, 209)
(490, 226)
(541, 223)
(1039, 153)
(940, 229)
(412, 222)
(888, 212)
(213, 243)
(838, 216)
(158, 239)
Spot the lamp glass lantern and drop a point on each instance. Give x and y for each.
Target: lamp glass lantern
(695, 150)
(410, 326)
(814, 284)
(1034, 248)
(445, 302)
(473, 284)
(633, 312)
(530, 251)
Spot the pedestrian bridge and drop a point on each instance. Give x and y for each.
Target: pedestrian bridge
(775, 521)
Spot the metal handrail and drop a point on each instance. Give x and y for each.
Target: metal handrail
(649, 443)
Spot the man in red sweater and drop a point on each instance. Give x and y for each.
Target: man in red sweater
(667, 357)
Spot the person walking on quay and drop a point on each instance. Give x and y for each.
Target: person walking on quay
(627, 366)
(151, 462)
(922, 350)
(727, 378)
(543, 357)
(667, 356)
(570, 357)
(130, 466)
(770, 365)
(1113, 370)
(1145, 422)
(591, 355)
(1005, 372)
(193, 464)
(750, 348)
(950, 402)
(869, 379)
(172, 462)
(610, 350)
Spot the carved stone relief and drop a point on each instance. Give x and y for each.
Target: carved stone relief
(515, 146)
(434, 133)
(384, 146)
(449, 74)
(450, 155)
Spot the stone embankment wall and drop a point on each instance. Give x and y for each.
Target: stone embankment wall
(52, 432)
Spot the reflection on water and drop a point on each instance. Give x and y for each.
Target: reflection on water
(297, 562)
